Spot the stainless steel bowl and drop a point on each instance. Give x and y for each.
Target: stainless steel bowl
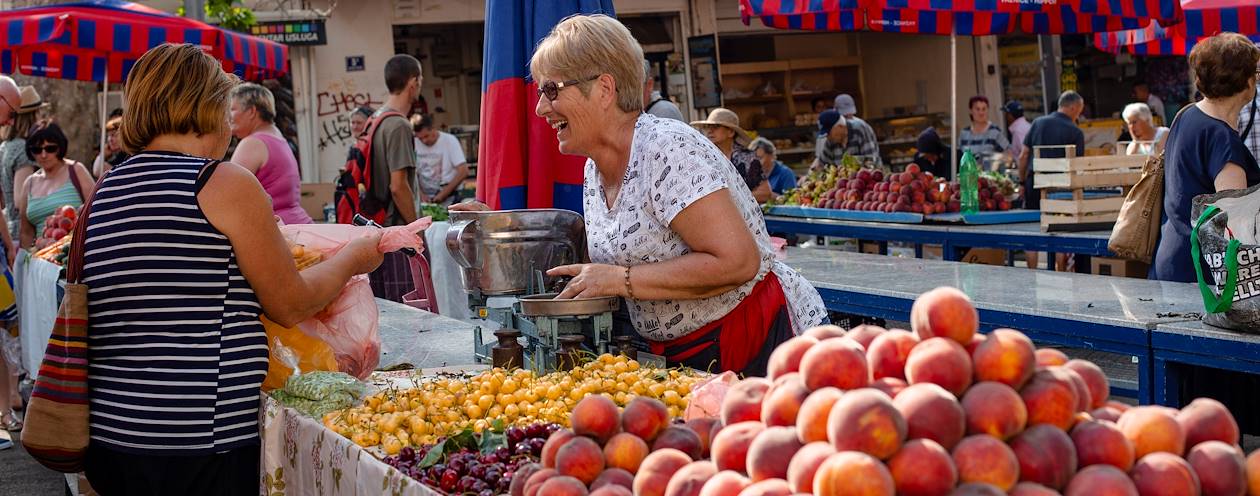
(546, 305)
(499, 251)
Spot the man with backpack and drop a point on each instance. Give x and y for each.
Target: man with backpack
(379, 181)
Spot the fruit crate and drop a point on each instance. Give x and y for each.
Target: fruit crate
(1094, 187)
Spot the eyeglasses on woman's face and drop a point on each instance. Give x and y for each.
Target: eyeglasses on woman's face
(48, 149)
(552, 88)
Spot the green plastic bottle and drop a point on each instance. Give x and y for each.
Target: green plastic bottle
(968, 183)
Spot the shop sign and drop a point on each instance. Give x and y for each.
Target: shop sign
(299, 33)
(354, 63)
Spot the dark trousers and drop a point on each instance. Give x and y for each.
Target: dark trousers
(232, 473)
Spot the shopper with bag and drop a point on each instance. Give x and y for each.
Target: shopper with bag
(180, 257)
(58, 182)
(1204, 153)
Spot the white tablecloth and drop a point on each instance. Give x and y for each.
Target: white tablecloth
(37, 300)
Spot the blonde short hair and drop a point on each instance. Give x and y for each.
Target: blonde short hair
(582, 46)
(174, 89)
(258, 98)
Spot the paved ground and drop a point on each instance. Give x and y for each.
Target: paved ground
(21, 475)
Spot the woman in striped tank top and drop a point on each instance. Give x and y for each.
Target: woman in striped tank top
(181, 257)
(50, 187)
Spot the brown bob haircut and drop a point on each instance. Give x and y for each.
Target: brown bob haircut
(174, 89)
(1223, 64)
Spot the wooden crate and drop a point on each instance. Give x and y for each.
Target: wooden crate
(1079, 176)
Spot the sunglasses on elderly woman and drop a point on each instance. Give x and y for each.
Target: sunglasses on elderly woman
(49, 149)
(552, 88)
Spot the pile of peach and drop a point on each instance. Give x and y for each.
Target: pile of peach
(941, 410)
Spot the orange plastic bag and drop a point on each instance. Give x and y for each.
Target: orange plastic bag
(292, 348)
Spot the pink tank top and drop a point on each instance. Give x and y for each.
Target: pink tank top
(279, 177)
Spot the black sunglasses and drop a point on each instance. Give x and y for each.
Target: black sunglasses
(50, 149)
(552, 88)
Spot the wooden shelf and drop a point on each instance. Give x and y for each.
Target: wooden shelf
(749, 100)
(796, 151)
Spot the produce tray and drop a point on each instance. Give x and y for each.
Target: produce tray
(988, 218)
(854, 215)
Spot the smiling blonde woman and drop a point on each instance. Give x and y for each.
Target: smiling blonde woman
(670, 225)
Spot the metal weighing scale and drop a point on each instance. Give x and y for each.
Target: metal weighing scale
(503, 257)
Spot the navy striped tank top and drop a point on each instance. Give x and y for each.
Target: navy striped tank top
(176, 351)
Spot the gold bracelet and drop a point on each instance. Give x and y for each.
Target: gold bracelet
(629, 290)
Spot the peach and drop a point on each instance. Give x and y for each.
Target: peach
(1100, 480)
(680, 438)
(580, 458)
(1095, 381)
(824, 332)
(1108, 413)
(1118, 405)
(1005, 356)
(1032, 489)
(730, 445)
(1221, 468)
(521, 476)
(922, 467)
(852, 473)
(536, 480)
(611, 491)
(864, 334)
(1050, 357)
(614, 477)
(942, 362)
(975, 342)
(1083, 398)
(743, 400)
(725, 483)
(784, 401)
(553, 444)
(887, 353)
(944, 312)
(1164, 474)
(771, 452)
(1253, 473)
(768, 487)
(865, 420)
(1152, 429)
(563, 486)
(595, 416)
(1046, 456)
(982, 458)
(1206, 419)
(787, 356)
(625, 451)
(811, 419)
(931, 413)
(995, 409)
(688, 481)
(836, 362)
(1050, 398)
(704, 428)
(645, 417)
(656, 471)
(977, 489)
(890, 386)
(805, 463)
(1102, 443)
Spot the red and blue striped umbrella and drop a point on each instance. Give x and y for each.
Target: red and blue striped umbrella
(965, 17)
(1203, 18)
(519, 160)
(85, 41)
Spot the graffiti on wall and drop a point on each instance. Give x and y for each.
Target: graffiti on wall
(333, 106)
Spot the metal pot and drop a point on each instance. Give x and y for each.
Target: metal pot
(500, 251)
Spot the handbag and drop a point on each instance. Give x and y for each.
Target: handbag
(55, 431)
(1136, 233)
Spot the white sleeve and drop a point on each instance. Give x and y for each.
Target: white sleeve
(681, 170)
(453, 153)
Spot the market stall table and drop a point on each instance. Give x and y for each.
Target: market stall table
(1196, 344)
(954, 239)
(301, 456)
(1108, 314)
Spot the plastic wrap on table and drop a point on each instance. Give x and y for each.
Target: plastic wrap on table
(706, 397)
(317, 393)
(294, 352)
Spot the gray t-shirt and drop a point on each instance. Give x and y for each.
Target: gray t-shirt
(12, 158)
(393, 149)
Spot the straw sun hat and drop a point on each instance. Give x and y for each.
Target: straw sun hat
(728, 119)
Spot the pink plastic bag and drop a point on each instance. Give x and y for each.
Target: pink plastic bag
(350, 323)
(707, 396)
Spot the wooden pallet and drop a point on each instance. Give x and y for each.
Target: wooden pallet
(1080, 175)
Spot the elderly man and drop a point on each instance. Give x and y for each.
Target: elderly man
(11, 97)
(780, 177)
(653, 102)
(862, 139)
(1058, 128)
